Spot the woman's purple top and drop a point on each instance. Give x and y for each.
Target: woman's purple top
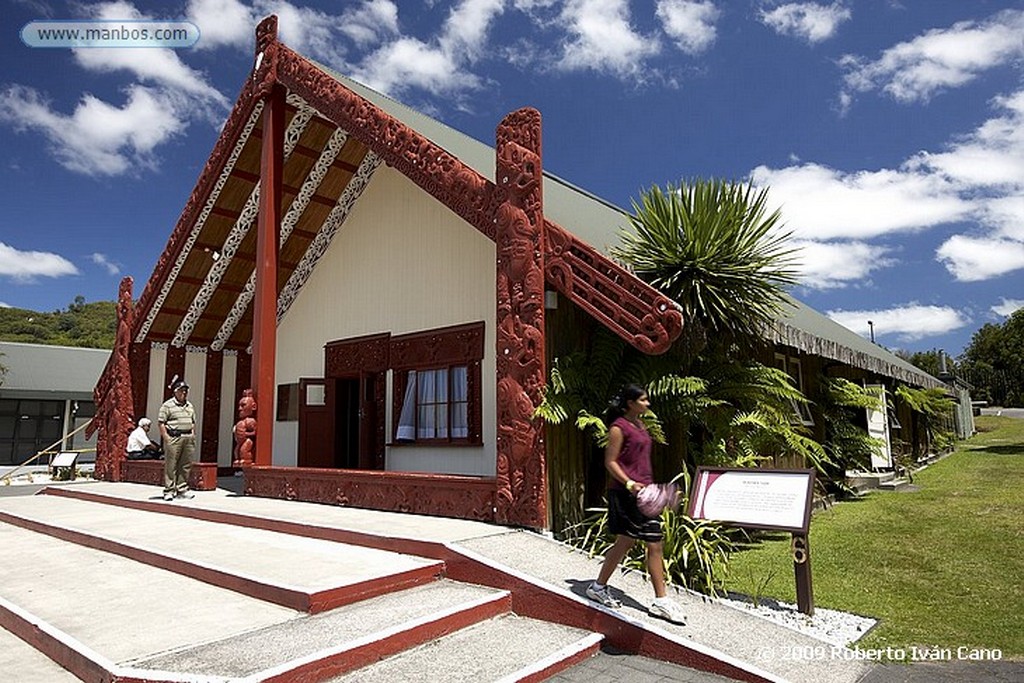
(635, 456)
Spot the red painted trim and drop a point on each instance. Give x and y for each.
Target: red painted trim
(139, 355)
(264, 333)
(174, 364)
(443, 495)
(577, 656)
(417, 633)
(57, 645)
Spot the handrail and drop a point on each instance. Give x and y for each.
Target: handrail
(45, 450)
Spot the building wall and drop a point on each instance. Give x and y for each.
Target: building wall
(401, 263)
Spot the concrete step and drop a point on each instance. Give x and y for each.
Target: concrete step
(305, 574)
(22, 662)
(506, 648)
(116, 593)
(316, 647)
(87, 609)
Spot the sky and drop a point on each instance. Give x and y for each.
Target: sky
(889, 133)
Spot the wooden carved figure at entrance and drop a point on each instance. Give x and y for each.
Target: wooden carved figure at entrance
(113, 395)
(245, 430)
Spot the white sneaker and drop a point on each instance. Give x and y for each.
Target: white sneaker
(602, 595)
(168, 495)
(186, 494)
(664, 608)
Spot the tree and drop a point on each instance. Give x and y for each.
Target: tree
(931, 361)
(994, 362)
(711, 247)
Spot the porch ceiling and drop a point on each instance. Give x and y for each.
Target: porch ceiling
(205, 297)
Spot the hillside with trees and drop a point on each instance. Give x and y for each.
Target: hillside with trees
(994, 362)
(91, 325)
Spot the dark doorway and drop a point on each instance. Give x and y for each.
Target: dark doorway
(346, 423)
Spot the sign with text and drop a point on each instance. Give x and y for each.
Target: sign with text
(755, 498)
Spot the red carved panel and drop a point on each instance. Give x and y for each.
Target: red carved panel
(202, 476)
(433, 494)
(174, 365)
(434, 348)
(115, 406)
(521, 470)
(348, 357)
(632, 309)
(211, 406)
(138, 358)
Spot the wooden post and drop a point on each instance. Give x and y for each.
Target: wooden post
(264, 333)
(802, 569)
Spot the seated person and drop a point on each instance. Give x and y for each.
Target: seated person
(140, 447)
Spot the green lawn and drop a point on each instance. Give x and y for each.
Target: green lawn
(942, 566)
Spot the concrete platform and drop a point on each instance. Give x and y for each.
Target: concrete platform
(122, 615)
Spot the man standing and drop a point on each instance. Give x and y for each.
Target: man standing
(177, 418)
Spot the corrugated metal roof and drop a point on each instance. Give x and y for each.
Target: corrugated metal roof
(71, 372)
(804, 328)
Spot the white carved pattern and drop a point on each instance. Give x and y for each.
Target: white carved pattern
(326, 234)
(238, 231)
(197, 227)
(295, 211)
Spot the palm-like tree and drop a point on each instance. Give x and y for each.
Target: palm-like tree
(712, 247)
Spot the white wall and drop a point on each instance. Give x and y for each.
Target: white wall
(401, 263)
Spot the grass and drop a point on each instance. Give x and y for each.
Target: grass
(942, 566)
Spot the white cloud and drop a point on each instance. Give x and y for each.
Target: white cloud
(222, 22)
(370, 22)
(907, 323)
(101, 260)
(1007, 307)
(157, 66)
(690, 24)
(826, 265)
(810, 21)
(972, 259)
(940, 59)
(822, 203)
(26, 266)
(465, 30)
(98, 138)
(602, 39)
(977, 179)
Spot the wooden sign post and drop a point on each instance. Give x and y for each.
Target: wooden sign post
(778, 500)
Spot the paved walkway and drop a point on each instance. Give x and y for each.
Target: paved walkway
(712, 626)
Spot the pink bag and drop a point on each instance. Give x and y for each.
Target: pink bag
(655, 498)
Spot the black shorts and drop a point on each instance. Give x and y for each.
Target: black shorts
(624, 519)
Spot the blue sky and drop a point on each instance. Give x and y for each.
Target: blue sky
(890, 133)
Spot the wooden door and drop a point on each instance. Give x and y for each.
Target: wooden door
(316, 429)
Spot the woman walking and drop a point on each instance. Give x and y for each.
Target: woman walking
(628, 461)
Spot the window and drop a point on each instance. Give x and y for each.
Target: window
(436, 386)
(435, 405)
(801, 409)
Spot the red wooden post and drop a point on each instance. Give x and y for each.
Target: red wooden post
(264, 334)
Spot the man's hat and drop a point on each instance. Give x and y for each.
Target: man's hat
(178, 384)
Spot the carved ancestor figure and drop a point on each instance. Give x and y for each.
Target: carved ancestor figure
(245, 430)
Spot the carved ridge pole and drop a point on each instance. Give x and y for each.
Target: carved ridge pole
(113, 395)
(519, 221)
